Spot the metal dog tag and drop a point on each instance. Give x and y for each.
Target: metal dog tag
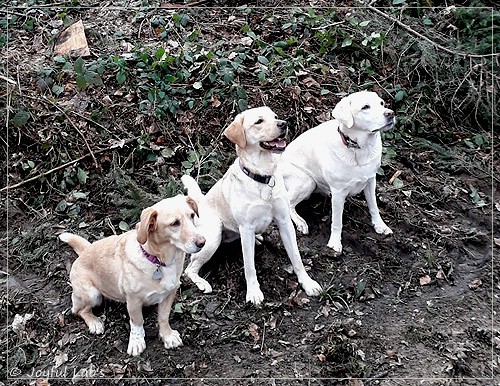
(157, 275)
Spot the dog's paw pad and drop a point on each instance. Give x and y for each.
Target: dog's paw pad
(172, 340)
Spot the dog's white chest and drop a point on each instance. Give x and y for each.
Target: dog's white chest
(160, 289)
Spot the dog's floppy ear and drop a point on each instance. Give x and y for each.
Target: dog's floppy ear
(148, 224)
(342, 113)
(192, 203)
(236, 133)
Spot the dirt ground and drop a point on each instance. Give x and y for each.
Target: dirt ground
(415, 308)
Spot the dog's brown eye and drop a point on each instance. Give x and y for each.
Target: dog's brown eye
(176, 223)
(192, 215)
(365, 107)
(382, 103)
(259, 121)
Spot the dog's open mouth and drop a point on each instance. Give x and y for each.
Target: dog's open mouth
(277, 145)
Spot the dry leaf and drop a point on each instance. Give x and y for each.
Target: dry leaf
(72, 41)
(60, 359)
(321, 357)
(253, 329)
(424, 280)
(440, 275)
(474, 284)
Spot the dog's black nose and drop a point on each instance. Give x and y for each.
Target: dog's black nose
(282, 125)
(389, 114)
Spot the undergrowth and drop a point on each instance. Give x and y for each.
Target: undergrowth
(155, 107)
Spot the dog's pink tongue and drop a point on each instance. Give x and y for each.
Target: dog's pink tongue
(279, 143)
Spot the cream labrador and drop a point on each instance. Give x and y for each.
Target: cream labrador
(140, 267)
(247, 199)
(339, 158)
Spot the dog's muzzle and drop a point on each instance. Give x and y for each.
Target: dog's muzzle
(391, 120)
(277, 145)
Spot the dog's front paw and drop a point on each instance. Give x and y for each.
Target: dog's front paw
(382, 229)
(312, 288)
(254, 295)
(96, 326)
(172, 340)
(201, 283)
(136, 342)
(335, 244)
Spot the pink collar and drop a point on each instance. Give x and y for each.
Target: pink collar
(151, 257)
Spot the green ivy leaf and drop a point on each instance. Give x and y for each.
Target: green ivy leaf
(123, 226)
(82, 176)
(346, 42)
(400, 95)
(81, 83)
(262, 60)
(20, 119)
(79, 66)
(57, 89)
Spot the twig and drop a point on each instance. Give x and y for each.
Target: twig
(188, 4)
(10, 187)
(418, 34)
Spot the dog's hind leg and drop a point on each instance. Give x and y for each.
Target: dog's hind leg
(299, 187)
(84, 298)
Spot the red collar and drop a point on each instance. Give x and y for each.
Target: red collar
(348, 141)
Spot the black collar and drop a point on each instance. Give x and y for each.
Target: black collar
(348, 141)
(256, 177)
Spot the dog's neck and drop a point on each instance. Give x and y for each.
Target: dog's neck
(258, 161)
(360, 144)
(164, 254)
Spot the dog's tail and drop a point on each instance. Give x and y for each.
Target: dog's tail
(79, 244)
(193, 189)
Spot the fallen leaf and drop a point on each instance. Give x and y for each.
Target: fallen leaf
(321, 357)
(253, 329)
(60, 359)
(440, 275)
(424, 280)
(72, 41)
(474, 284)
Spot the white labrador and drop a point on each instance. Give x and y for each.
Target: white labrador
(249, 196)
(339, 158)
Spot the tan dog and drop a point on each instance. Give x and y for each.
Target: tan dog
(248, 197)
(140, 267)
(340, 158)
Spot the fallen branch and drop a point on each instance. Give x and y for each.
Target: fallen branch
(419, 35)
(184, 5)
(63, 166)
